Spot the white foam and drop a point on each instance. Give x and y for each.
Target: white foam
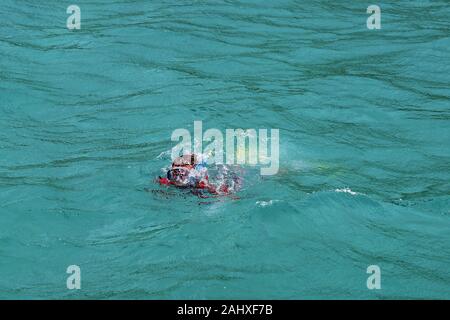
(266, 203)
(164, 155)
(347, 190)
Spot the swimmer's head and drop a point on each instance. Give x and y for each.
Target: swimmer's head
(188, 161)
(179, 176)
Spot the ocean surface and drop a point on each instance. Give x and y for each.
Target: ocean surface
(86, 118)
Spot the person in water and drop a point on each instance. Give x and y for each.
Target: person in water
(189, 172)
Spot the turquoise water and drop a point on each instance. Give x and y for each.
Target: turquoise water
(86, 120)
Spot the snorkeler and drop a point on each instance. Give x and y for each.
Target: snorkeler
(189, 172)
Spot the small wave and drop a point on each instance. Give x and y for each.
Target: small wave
(265, 203)
(164, 155)
(347, 190)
